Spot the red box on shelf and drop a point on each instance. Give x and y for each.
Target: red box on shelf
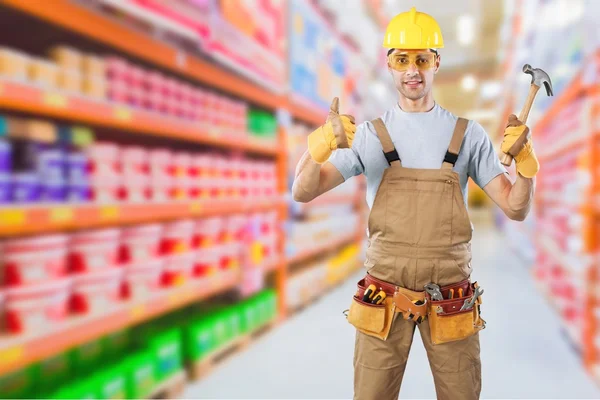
(34, 260)
(142, 279)
(37, 307)
(94, 251)
(97, 292)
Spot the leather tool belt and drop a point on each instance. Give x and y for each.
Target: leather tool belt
(446, 319)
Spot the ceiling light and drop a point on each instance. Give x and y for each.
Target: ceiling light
(465, 28)
(468, 83)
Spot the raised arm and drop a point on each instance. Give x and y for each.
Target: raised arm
(314, 175)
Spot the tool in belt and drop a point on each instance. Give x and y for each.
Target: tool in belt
(412, 304)
(450, 317)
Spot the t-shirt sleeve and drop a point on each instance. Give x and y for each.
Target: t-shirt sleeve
(349, 161)
(484, 164)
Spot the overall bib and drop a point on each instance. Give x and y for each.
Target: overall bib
(419, 232)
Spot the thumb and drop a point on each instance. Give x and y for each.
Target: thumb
(335, 107)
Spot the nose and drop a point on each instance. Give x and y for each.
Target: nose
(412, 68)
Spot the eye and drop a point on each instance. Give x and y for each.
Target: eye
(402, 60)
(422, 61)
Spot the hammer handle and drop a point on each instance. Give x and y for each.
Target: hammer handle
(507, 159)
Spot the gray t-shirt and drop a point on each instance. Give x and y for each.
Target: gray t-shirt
(421, 139)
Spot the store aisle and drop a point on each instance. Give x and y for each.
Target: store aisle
(310, 356)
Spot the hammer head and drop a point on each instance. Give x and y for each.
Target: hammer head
(539, 77)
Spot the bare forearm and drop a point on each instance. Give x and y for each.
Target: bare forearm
(521, 197)
(307, 179)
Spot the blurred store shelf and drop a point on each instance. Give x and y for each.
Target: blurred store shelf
(78, 19)
(18, 97)
(39, 219)
(21, 350)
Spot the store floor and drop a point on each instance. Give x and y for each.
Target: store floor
(524, 355)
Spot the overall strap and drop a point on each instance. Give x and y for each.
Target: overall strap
(455, 142)
(389, 150)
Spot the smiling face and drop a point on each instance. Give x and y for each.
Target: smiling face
(413, 71)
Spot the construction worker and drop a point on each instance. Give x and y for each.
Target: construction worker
(417, 158)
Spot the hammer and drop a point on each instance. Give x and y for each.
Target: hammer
(538, 77)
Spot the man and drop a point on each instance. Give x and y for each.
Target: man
(417, 158)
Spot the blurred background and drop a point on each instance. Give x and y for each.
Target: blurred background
(150, 244)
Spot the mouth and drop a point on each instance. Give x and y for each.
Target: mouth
(413, 84)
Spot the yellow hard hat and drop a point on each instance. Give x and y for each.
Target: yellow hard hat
(413, 30)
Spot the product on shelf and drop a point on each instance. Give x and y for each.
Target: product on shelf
(13, 64)
(92, 251)
(52, 371)
(36, 307)
(97, 292)
(43, 73)
(34, 260)
(140, 243)
(176, 247)
(141, 374)
(143, 278)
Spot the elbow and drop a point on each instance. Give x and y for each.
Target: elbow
(517, 216)
(300, 196)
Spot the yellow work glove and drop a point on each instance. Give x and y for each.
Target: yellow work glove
(337, 133)
(518, 143)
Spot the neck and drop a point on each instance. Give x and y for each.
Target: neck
(423, 104)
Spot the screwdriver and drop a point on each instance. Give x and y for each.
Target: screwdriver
(369, 293)
(379, 298)
(451, 295)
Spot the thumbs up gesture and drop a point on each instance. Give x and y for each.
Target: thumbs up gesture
(337, 133)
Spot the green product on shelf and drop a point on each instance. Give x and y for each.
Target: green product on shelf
(220, 330)
(141, 375)
(54, 371)
(167, 353)
(246, 316)
(112, 382)
(235, 322)
(271, 300)
(87, 356)
(262, 124)
(199, 339)
(116, 343)
(85, 389)
(19, 384)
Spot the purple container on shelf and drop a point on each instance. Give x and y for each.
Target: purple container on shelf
(51, 163)
(5, 188)
(54, 190)
(5, 157)
(77, 166)
(78, 191)
(26, 188)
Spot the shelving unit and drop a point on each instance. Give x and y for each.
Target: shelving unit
(80, 20)
(23, 98)
(20, 351)
(563, 237)
(34, 220)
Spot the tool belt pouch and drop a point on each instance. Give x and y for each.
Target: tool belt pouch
(447, 322)
(371, 319)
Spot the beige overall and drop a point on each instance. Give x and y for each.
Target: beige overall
(419, 232)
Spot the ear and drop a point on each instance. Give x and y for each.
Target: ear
(437, 64)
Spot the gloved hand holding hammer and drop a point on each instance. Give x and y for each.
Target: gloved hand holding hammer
(518, 143)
